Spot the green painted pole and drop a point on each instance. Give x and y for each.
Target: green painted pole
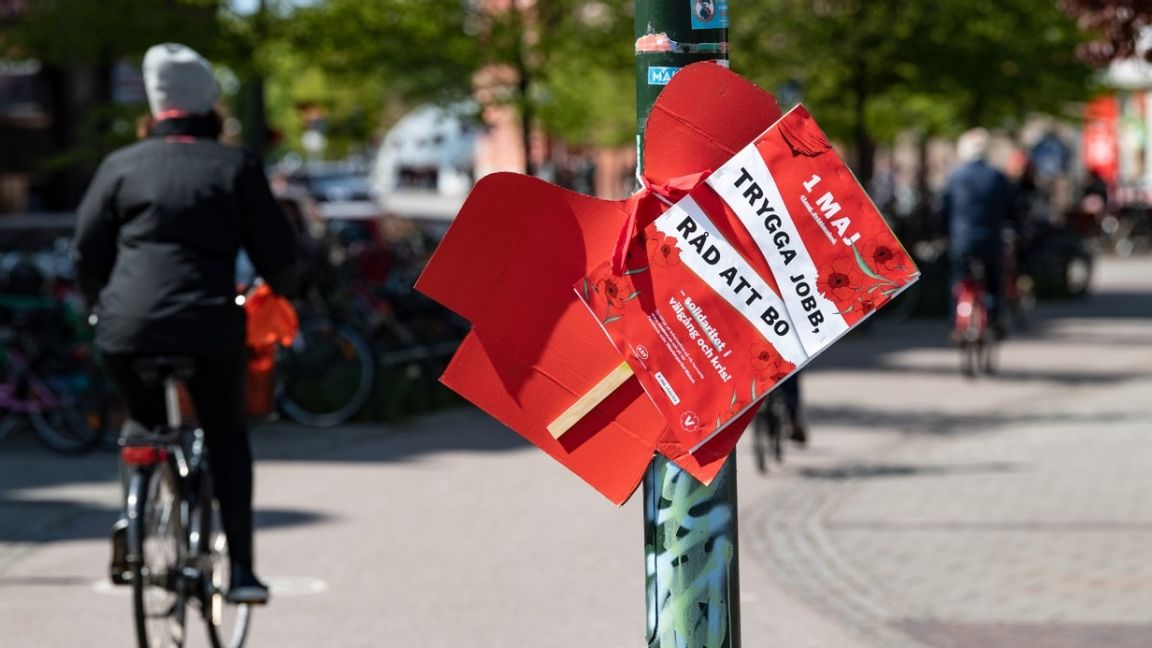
(690, 530)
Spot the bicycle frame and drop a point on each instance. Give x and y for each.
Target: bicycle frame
(972, 327)
(146, 455)
(971, 319)
(178, 455)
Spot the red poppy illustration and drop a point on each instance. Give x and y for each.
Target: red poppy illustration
(839, 279)
(769, 366)
(883, 257)
(662, 250)
(612, 289)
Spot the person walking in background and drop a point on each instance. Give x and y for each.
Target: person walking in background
(790, 390)
(157, 237)
(978, 202)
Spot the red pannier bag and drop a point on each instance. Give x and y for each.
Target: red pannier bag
(272, 322)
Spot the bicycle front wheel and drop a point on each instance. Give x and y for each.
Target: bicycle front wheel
(65, 430)
(327, 374)
(63, 423)
(156, 547)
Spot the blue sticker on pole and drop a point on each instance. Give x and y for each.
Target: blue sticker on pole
(660, 75)
(709, 14)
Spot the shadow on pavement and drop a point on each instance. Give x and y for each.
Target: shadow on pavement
(946, 423)
(46, 520)
(881, 471)
(1112, 304)
(1057, 376)
(464, 429)
(46, 497)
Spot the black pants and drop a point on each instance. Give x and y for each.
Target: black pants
(790, 390)
(217, 391)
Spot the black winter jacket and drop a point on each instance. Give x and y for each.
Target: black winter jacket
(157, 235)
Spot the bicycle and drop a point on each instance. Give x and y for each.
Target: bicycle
(49, 383)
(176, 548)
(327, 373)
(972, 327)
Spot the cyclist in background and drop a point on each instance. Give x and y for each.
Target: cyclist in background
(978, 202)
(157, 236)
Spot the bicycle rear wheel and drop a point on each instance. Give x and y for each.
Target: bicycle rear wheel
(326, 376)
(227, 623)
(156, 550)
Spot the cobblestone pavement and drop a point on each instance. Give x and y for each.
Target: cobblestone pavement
(1010, 511)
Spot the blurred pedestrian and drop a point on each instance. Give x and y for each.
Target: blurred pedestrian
(978, 202)
(790, 390)
(157, 236)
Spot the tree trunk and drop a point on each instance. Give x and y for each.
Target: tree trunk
(865, 148)
(522, 86)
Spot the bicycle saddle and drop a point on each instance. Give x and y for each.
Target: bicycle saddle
(159, 368)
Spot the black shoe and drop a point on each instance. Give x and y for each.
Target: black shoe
(247, 589)
(799, 434)
(119, 570)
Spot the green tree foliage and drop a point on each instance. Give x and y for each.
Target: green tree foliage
(869, 68)
(417, 49)
(574, 59)
(60, 32)
(570, 60)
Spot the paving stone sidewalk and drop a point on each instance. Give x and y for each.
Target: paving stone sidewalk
(1010, 511)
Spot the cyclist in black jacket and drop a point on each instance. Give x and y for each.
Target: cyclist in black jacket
(157, 236)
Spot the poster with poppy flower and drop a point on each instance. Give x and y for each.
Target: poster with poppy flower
(828, 247)
(705, 333)
(774, 257)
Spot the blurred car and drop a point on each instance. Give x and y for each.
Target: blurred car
(333, 183)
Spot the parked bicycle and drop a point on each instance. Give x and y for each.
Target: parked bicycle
(1128, 231)
(327, 373)
(176, 548)
(363, 326)
(48, 380)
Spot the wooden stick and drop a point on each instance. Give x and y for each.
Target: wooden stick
(588, 401)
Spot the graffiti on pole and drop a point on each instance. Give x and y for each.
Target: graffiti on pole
(690, 562)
